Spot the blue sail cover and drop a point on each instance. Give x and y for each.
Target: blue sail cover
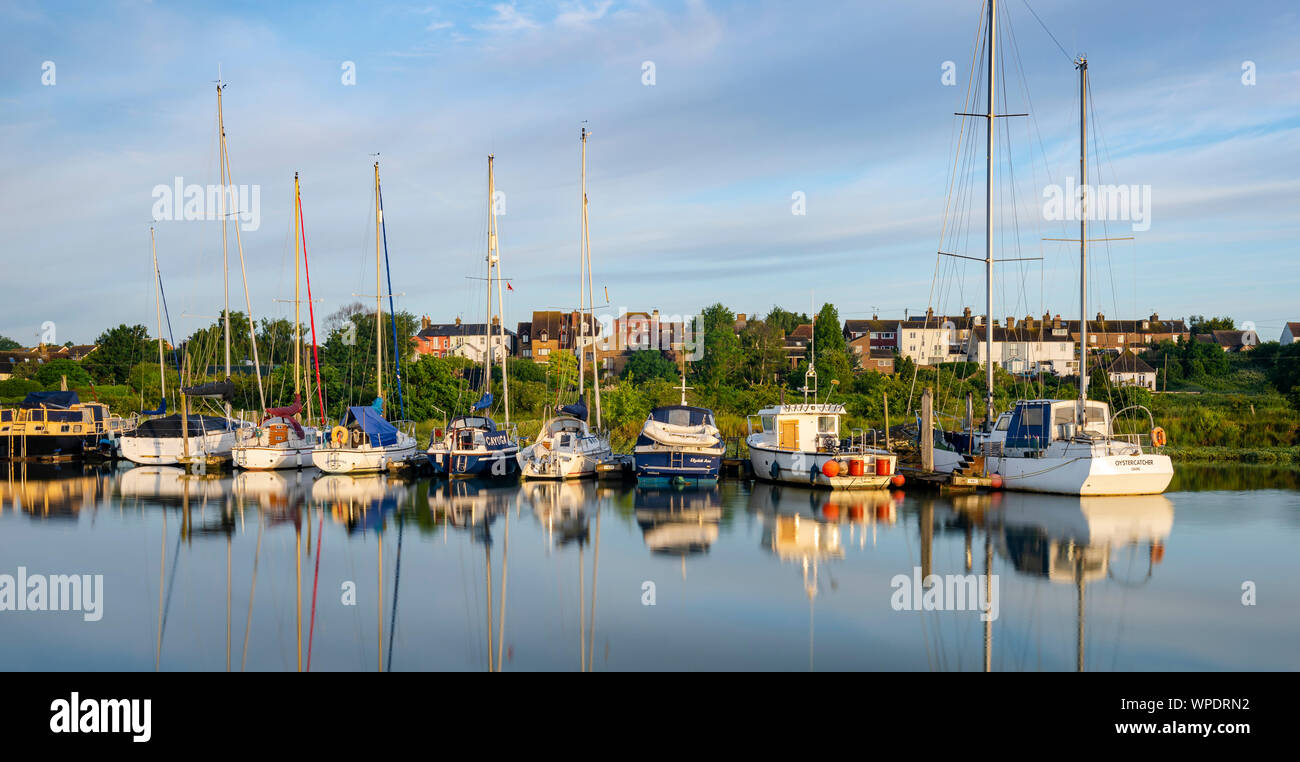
(49, 399)
(381, 432)
(578, 409)
(378, 405)
(162, 409)
(484, 402)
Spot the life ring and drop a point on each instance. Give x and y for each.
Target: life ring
(339, 436)
(1158, 438)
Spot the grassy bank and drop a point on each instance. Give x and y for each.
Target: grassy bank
(1275, 456)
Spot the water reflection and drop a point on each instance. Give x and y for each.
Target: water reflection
(302, 561)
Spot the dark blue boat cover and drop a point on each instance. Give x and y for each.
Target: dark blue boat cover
(49, 399)
(484, 402)
(578, 409)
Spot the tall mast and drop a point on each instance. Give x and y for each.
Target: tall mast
(157, 277)
(379, 294)
(582, 267)
(491, 260)
(494, 265)
(297, 331)
(588, 322)
(988, 224)
(1082, 64)
(225, 258)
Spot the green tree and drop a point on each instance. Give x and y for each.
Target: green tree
(1201, 324)
(50, 375)
(763, 351)
(722, 355)
(646, 364)
(118, 349)
(784, 320)
(7, 343)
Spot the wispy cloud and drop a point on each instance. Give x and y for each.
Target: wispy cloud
(578, 13)
(507, 18)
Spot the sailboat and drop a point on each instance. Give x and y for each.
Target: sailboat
(364, 440)
(280, 440)
(472, 445)
(169, 439)
(566, 447)
(1043, 445)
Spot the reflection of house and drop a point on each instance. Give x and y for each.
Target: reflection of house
(1230, 341)
(461, 339)
(1290, 333)
(1130, 370)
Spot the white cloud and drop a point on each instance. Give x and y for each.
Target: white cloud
(436, 25)
(578, 14)
(507, 19)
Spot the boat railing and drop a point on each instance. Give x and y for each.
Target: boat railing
(1135, 438)
(749, 423)
(406, 427)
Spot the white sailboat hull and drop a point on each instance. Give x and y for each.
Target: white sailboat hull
(539, 462)
(268, 458)
(1142, 474)
(167, 451)
(363, 459)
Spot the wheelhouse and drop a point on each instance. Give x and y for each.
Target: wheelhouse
(683, 415)
(812, 427)
(1034, 423)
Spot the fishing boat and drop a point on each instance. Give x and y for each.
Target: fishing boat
(678, 444)
(1048, 445)
(472, 445)
(281, 440)
(364, 440)
(802, 444)
(567, 447)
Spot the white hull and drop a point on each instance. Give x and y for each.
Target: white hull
(805, 468)
(545, 463)
(1145, 474)
(268, 458)
(364, 459)
(167, 451)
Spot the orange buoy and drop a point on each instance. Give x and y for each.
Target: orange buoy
(995, 481)
(831, 469)
(898, 480)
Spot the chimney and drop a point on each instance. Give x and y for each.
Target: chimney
(1011, 322)
(425, 322)
(929, 313)
(1100, 317)
(1155, 317)
(740, 317)
(874, 316)
(458, 320)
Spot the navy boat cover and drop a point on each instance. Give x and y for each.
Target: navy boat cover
(49, 399)
(381, 432)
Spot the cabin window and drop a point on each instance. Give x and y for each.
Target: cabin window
(679, 417)
(1031, 416)
(1004, 422)
(827, 424)
(769, 423)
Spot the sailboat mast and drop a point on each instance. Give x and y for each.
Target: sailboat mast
(591, 291)
(491, 260)
(379, 295)
(225, 257)
(162, 368)
(1083, 237)
(297, 329)
(494, 265)
(988, 223)
(582, 273)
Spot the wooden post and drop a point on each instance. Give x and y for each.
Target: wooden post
(885, 396)
(927, 431)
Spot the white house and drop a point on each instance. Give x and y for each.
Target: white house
(1130, 370)
(1030, 347)
(1290, 333)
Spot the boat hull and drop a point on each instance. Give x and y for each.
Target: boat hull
(559, 464)
(805, 469)
(362, 460)
(269, 458)
(1144, 474)
(657, 467)
(483, 464)
(167, 451)
(42, 446)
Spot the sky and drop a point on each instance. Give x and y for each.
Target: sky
(750, 153)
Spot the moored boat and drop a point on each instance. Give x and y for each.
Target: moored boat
(802, 444)
(364, 442)
(678, 444)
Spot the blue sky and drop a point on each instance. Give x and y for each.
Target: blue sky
(690, 180)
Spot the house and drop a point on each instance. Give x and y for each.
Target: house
(796, 344)
(883, 334)
(460, 339)
(936, 339)
(1119, 335)
(632, 332)
(1230, 341)
(1290, 333)
(11, 358)
(1031, 346)
(552, 330)
(1131, 370)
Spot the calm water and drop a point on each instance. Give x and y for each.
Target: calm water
(203, 574)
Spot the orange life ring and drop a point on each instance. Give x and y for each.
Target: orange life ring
(1158, 438)
(339, 436)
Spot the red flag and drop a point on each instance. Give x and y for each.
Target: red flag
(509, 287)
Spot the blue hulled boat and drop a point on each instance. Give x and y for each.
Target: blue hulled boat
(678, 444)
(473, 446)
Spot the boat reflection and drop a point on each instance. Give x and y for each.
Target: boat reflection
(678, 521)
(52, 491)
(471, 504)
(562, 508)
(359, 503)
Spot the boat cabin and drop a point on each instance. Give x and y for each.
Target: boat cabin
(1034, 423)
(809, 427)
(683, 415)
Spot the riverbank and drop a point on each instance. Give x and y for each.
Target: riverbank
(1277, 456)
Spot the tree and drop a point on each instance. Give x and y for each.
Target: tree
(118, 349)
(762, 351)
(784, 320)
(646, 364)
(7, 343)
(50, 375)
(1201, 324)
(721, 347)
